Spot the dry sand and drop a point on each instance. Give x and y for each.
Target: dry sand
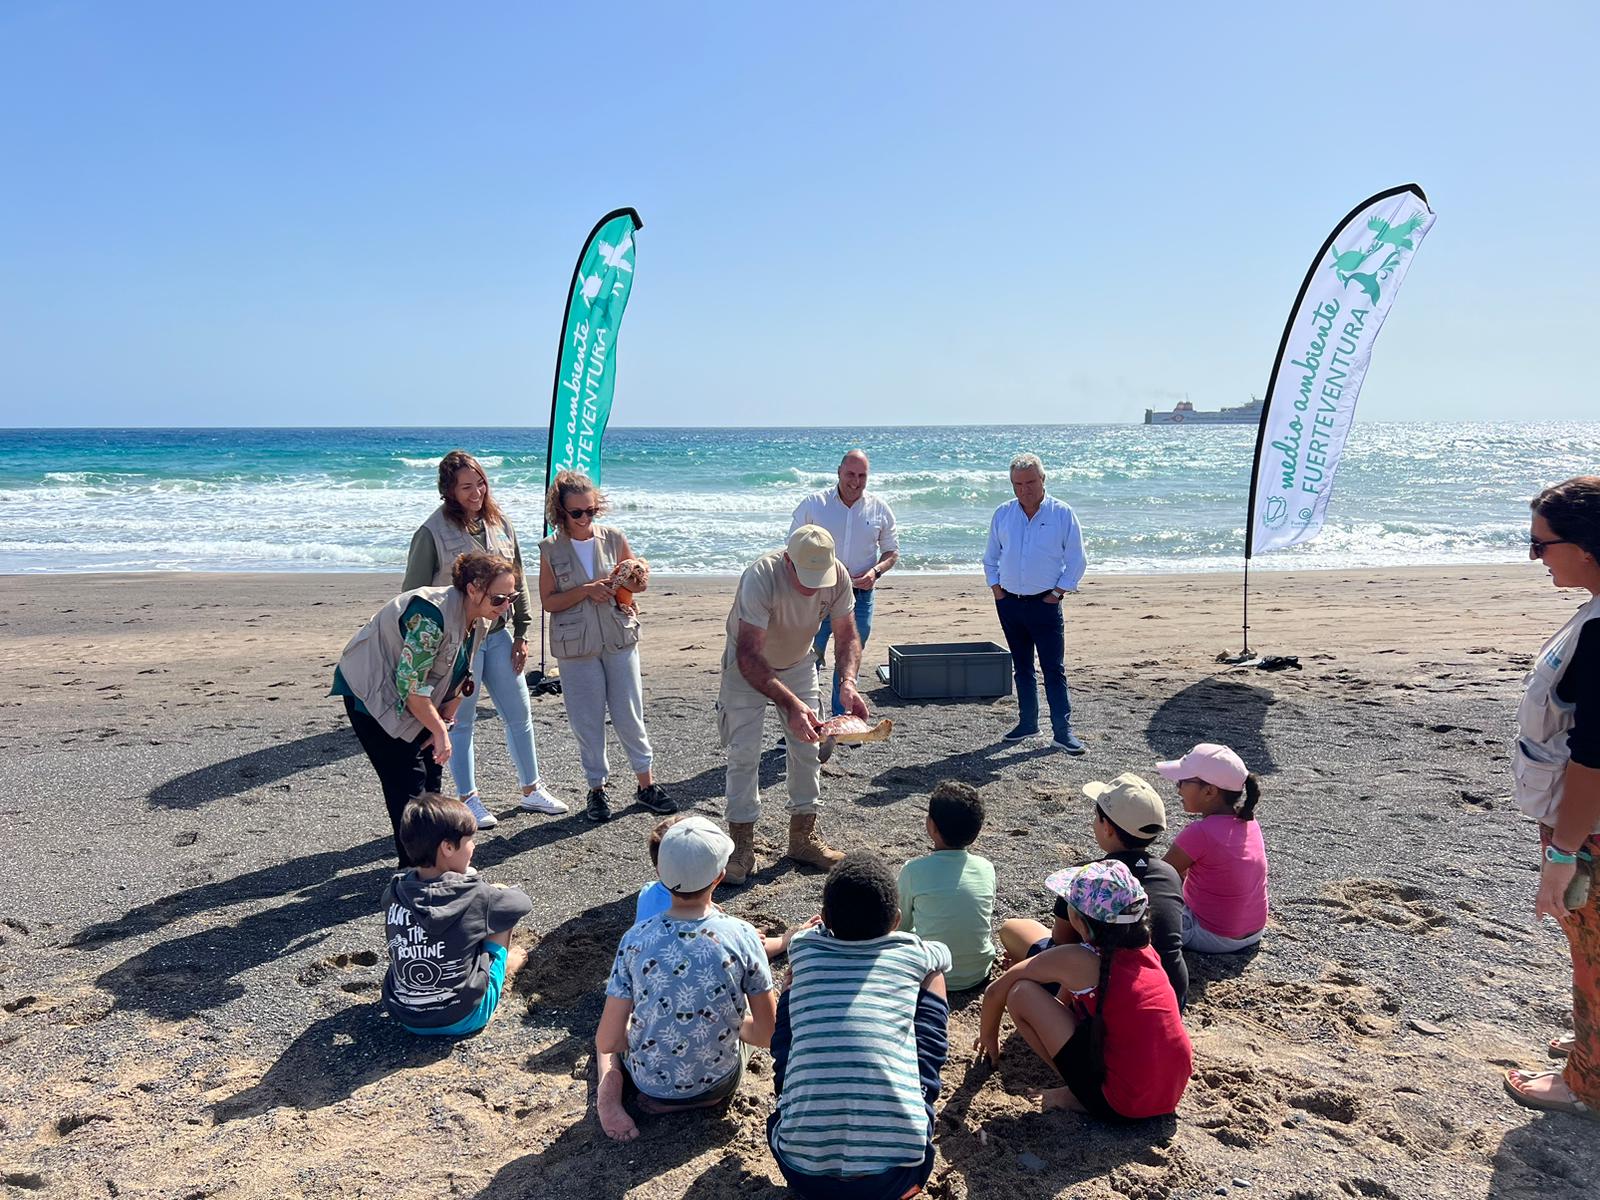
(190, 947)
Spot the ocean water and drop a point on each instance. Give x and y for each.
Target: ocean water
(707, 501)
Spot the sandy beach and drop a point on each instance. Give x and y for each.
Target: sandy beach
(191, 949)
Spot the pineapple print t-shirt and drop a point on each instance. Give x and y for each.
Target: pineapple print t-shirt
(687, 981)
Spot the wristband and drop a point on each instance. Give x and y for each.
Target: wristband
(1561, 857)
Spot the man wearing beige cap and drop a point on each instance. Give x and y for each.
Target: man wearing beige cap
(781, 602)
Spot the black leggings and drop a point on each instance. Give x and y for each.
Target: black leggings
(403, 768)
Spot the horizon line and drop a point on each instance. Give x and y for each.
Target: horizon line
(5, 429)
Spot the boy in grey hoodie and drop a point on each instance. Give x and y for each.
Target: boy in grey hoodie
(449, 932)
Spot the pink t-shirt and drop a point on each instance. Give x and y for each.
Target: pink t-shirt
(1226, 888)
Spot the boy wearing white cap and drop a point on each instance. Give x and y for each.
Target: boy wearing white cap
(690, 989)
(1221, 858)
(768, 660)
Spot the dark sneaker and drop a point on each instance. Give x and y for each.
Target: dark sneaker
(1021, 733)
(599, 809)
(1069, 743)
(655, 798)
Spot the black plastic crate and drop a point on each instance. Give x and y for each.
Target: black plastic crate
(950, 671)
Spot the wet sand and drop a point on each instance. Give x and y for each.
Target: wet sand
(190, 947)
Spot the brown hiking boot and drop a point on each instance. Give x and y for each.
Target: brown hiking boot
(742, 862)
(806, 847)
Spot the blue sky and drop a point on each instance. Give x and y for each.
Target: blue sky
(367, 214)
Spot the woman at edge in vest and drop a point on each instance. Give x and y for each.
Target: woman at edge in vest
(595, 641)
(468, 520)
(405, 672)
(1556, 765)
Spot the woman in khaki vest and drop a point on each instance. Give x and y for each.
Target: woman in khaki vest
(405, 672)
(468, 520)
(1555, 768)
(595, 640)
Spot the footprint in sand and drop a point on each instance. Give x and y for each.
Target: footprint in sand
(1337, 1006)
(1383, 900)
(326, 968)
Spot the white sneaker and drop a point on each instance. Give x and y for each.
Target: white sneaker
(541, 801)
(485, 818)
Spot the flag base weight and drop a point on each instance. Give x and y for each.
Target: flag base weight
(541, 684)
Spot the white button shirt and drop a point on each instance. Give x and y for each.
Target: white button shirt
(862, 533)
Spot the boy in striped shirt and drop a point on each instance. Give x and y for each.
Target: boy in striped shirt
(859, 1043)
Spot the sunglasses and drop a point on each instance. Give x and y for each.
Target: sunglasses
(500, 598)
(1536, 548)
(577, 514)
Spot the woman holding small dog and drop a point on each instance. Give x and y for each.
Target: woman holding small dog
(587, 575)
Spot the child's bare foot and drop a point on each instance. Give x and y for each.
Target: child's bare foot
(1061, 1098)
(614, 1119)
(516, 959)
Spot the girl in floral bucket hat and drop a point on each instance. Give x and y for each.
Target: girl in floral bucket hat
(1114, 1036)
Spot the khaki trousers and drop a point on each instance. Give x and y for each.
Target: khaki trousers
(741, 722)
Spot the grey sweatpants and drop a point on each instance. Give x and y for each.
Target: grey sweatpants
(589, 686)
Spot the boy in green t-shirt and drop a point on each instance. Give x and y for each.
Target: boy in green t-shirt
(948, 896)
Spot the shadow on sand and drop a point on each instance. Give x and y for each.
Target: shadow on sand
(219, 781)
(1214, 710)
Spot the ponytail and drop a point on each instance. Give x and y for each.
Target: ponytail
(1097, 1024)
(1107, 939)
(1243, 804)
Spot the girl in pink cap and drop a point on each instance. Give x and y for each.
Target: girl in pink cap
(1221, 857)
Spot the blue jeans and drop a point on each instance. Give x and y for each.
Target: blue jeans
(863, 628)
(491, 667)
(1031, 625)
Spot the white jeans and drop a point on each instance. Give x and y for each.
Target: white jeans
(741, 718)
(590, 686)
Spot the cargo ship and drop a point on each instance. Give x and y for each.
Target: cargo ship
(1184, 413)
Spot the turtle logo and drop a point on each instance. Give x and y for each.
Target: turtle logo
(1276, 511)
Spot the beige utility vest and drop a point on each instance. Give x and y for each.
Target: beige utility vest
(1539, 760)
(585, 629)
(450, 542)
(370, 658)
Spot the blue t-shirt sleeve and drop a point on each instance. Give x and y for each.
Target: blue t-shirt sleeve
(654, 899)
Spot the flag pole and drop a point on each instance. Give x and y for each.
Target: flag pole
(540, 681)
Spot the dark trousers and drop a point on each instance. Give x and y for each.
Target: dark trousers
(931, 1028)
(1032, 625)
(404, 769)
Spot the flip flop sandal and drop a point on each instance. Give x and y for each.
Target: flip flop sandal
(1560, 1047)
(1516, 1080)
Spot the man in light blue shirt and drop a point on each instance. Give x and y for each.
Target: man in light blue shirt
(1034, 557)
